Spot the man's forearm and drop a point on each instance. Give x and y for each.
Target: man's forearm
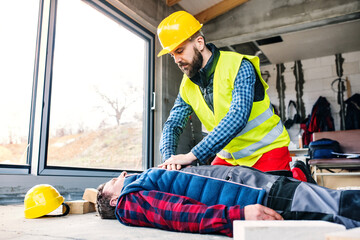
(174, 212)
(173, 127)
(168, 142)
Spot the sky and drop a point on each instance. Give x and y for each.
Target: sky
(17, 48)
(91, 52)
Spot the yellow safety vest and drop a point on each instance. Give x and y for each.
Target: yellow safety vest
(264, 130)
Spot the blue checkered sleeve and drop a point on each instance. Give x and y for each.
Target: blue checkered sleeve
(235, 120)
(173, 127)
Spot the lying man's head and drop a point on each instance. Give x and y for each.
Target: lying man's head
(107, 196)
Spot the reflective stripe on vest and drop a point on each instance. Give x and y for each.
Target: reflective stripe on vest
(267, 140)
(257, 121)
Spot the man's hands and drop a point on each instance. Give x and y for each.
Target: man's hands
(260, 212)
(176, 161)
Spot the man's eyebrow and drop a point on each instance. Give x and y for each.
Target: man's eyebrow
(181, 47)
(174, 51)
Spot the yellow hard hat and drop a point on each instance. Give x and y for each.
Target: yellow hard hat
(41, 200)
(176, 29)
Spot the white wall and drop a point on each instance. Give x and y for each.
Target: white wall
(319, 73)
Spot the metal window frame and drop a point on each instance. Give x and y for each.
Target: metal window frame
(25, 168)
(121, 18)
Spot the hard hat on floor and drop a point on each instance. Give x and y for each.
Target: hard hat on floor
(41, 200)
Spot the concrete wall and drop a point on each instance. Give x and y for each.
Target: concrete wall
(319, 73)
(258, 19)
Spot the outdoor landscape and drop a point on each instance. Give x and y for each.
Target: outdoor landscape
(118, 147)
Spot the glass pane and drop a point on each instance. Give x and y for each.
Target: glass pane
(18, 29)
(97, 100)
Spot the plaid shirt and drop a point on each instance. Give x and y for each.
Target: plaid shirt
(234, 121)
(177, 213)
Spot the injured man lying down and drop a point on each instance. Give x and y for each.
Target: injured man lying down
(207, 199)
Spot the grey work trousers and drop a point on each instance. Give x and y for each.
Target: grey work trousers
(293, 199)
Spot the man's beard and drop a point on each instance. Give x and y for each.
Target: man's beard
(190, 69)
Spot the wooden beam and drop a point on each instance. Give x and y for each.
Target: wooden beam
(218, 9)
(172, 2)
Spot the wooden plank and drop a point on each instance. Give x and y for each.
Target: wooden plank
(172, 2)
(80, 206)
(351, 234)
(90, 194)
(217, 10)
(283, 230)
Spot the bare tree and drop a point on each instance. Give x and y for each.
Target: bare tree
(11, 137)
(117, 109)
(60, 132)
(81, 128)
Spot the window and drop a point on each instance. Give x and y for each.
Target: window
(98, 113)
(77, 89)
(18, 30)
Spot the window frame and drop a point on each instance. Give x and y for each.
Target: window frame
(131, 25)
(26, 168)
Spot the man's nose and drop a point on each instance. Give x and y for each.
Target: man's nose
(177, 58)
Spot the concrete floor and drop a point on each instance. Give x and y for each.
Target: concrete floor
(13, 225)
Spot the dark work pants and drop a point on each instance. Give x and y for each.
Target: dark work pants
(293, 199)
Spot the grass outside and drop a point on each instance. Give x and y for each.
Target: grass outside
(117, 147)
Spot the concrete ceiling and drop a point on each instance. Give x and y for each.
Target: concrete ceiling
(315, 42)
(297, 44)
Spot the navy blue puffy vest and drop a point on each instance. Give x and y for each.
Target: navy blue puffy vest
(209, 191)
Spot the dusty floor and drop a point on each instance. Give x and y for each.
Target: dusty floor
(13, 225)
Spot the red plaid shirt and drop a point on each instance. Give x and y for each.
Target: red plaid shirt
(178, 213)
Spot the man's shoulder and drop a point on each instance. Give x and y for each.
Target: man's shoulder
(246, 63)
(230, 53)
(236, 56)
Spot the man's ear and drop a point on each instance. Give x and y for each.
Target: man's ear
(200, 43)
(113, 201)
